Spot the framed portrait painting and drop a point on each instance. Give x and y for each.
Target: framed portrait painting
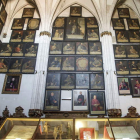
(122, 67)
(4, 63)
(75, 28)
(52, 100)
(15, 65)
(122, 36)
(59, 22)
(28, 65)
(133, 24)
(6, 49)
(31, 49)
(119, 51)
(82, 80)
(80, 100)
(28, 12)
(18, 49)
(134, 67)
(123, 86)
(81, 47)
(95, 48)
(54, 64)
(12, 84)
(118, 24)
(53, 81)
(93, 35)
(18, 23)
(3, 15)
(58, 34)
(33, 24)
(123, 12)
(96, 63)
(75, 11)
(97, 81)
(68, 81)
(97, 104)
(55, 47)
(92, 22)
(82, 63)
(132, 51)
(29, 36)
(16, 36)
(135, 86)
(68, 63)
(68, 47)
(134, 36)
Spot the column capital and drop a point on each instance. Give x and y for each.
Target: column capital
(42, 33)
(106, 33)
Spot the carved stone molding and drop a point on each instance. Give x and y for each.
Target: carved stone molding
(106, 33)
(66, 114)
(45, 33)
(19, 113)
(114, 113)
(35, 113)
(132, 113)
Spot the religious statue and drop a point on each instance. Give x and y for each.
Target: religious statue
(46, 128)
(55, 132)
(60, 131)
(68, 131)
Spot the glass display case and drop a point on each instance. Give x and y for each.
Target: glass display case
(70, 129)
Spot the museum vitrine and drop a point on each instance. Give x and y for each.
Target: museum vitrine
(72, 129)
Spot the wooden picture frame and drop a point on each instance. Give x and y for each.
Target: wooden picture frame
(134, 67)
(93, 34)
(123, 85)
(33, 24)
(16, 36)
(80, 100)
(18, 24)
(134, 36)
(97, 103)
(18, 50)
(52, 100)
(76, 11)
(28, 65)
(58, 34)
(69, 47)
(118, 24)
(82, 48)
(132, 51)
(97, 81)
(28, 12)
(91, 22)
(95, 48)
(29, 35)
(67, 81)
(12, 84)
(59, 22)
(123, 12)
(82, 63)
(4, 64)
(122, 36)
(75, 29)
(82, 81)
(122, 67)
(6, 49)
(135, 86)
(53, 81)
(133, 24)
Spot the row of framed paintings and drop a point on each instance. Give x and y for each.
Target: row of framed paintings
(23, 36)
(126, 51)
(17, 65)
(93, 81)
(83, 48)
(123, 36)
(81, 100)
(78, 33)
(118, 24)
(124, 67)
(18, 49)
(61, 22)
(79, 63)
(129, 86)
(33, 24)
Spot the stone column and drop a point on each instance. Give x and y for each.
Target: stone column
(38, 91)
(111, 87)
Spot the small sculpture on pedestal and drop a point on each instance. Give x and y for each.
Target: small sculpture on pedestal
(46, 128)
(132, 113)
(60, 131)
(68, 131)
(55, 132)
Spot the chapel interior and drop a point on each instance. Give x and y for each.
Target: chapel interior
(69, 69)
